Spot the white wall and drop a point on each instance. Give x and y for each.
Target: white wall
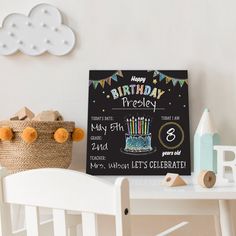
(129, 34)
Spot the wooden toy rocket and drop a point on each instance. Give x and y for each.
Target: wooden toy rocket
(205, 138)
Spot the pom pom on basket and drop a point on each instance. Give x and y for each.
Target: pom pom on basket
(29, 135)
(6, 133)
(78, 134)
(61, 135)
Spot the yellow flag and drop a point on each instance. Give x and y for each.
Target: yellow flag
(108, 80)
(168, 79)
(102, 82)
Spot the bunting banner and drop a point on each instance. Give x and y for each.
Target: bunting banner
(167, 79)
(107, 80)
(156, 73)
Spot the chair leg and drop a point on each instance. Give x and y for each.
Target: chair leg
(72, 231)
(225, 218)
(217, 225)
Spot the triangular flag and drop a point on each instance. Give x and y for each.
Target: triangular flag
(108, 80)
(181, 82)
(168, 79)
(90, 82)
(95, 83)
(186, 81)
(119, 72)
(102, 82)
(161, 76)
(155, 73)
(114, 77)
(174, 81)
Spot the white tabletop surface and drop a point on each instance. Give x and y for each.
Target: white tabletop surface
(150, 187)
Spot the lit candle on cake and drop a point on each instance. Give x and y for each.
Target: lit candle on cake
(145, 126)
(142, 125)
(133, 125)
(127, 121)
(148, 126)
(130, 125)
(139, 125)
(136, 126)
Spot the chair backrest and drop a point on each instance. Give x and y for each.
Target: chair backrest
(63, 190)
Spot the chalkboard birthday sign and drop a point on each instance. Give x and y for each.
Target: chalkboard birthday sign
(138, 123)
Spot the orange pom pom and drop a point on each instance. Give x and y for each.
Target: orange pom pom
(29, 135)
(78, 134)
(61, 135)
(6, 133)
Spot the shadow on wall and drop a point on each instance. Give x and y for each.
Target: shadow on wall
(216, 96)
(79, 155)
(197, 101)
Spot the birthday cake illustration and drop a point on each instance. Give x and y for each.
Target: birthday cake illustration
(138, 139)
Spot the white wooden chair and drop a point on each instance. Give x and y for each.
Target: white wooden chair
(63, 190)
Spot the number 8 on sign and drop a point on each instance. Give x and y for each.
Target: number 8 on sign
(171, 135)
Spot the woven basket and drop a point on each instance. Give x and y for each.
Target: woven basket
(17, 155)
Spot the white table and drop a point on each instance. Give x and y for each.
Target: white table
(149, 197)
